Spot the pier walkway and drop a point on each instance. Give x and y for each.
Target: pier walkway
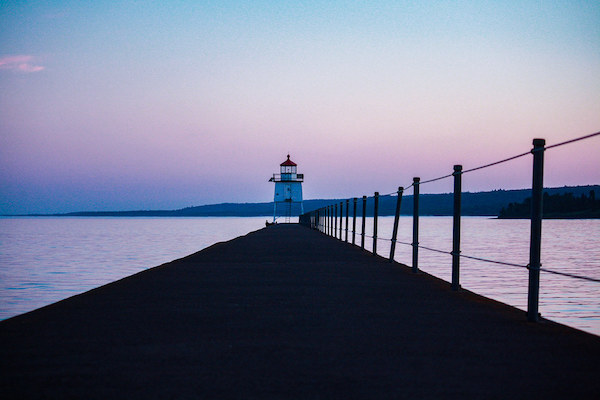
(286, 312)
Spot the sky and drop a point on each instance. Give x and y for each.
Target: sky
(127, 105)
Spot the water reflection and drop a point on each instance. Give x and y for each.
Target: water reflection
(571, 246)
(43, 260)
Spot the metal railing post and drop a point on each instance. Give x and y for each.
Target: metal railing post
(354, 200)
(330, 220)
(341, 219)
(364, 212)
(456, 228)
(537, 188)
(340, 230)
(415, 239)
(396, 218)
(347, 209)
(375, 212)
(335, 221)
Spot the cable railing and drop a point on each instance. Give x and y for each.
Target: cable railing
(331, 220)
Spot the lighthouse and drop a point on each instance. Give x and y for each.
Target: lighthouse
(288, 190)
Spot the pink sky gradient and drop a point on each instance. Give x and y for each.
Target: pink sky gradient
(173, 105)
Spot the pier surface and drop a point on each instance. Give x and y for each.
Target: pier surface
(284, 313)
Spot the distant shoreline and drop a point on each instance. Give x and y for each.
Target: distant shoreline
(557, 206)
(487, 203)
(560, 216)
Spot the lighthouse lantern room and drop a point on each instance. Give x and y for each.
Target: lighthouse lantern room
(288, 190)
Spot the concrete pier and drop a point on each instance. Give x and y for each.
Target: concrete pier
(289, 313)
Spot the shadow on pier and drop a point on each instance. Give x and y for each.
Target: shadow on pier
(286, 312)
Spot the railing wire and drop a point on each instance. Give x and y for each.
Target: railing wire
(586, 278)
(575, 276)
(591, 135)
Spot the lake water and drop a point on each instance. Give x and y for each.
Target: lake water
(43, 260)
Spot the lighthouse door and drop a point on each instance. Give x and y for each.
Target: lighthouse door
(288, 192)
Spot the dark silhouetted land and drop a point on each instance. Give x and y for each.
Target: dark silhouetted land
(563, 206)
(473, 203)
(286, 312)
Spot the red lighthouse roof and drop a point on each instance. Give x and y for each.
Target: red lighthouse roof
(288, 162)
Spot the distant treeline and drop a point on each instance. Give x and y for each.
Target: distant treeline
(480, 203)
(565, 205)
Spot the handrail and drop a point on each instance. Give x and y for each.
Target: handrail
(324, 220)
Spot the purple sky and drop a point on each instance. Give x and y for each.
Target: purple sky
(162, 105)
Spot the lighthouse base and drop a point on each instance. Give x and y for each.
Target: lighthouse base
(285, 210)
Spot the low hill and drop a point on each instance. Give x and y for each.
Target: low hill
(476, 203)
(559, 205)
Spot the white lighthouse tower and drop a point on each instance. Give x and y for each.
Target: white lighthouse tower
(288, 190)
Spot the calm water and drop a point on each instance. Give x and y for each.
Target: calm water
(43, 260)
(571, 246)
